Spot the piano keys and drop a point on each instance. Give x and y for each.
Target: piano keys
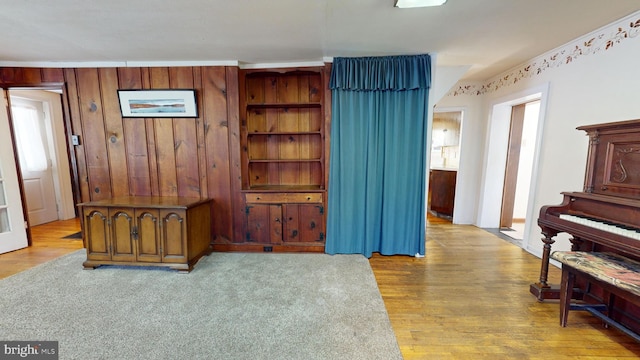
(604, 225)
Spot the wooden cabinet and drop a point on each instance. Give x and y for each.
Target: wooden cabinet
(285, 219)
(159, 231)
(283, 141)
(442, 191)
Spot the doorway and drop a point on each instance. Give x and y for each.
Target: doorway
(518, 168)
(524, 178)
(42, 154)
(444, 161)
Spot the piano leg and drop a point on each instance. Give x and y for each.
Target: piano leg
(541, 290)
(546, 254)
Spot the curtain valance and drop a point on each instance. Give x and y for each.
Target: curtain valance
(405, 72)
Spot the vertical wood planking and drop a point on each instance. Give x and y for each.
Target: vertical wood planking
(257, 122)
(315, 115)
(200, 143)
(116, 146)
(292, 223)
(270, 95)
(233, 119)
(289, 146)
(315, 95)
(304, 124)
(164, 140)
(241, 82)
(216, 139)
(92, 119)
(135, 136)
(71, 153)
(185, 139)
(77, 128)
(141, 160)
(275, 223)
(150, 126)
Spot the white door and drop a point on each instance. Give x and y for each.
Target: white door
(35, 160)
(13, 234)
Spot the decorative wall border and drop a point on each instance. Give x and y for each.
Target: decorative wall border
(595, 42)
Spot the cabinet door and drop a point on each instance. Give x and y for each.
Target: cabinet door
(304, 223)
(97, 237)
(174, 236)
(264, 224)
(122, 228)
(147, 237)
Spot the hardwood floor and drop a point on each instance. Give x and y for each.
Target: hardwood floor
(468, 298)
(47, 244)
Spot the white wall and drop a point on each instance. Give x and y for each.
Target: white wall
(587, 85)
(472, 144)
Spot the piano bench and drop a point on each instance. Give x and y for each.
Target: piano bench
(616, 274)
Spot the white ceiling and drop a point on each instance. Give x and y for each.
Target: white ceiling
(490, 35)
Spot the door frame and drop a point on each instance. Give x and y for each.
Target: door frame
(457, 201)
(495, 158)
(75, 184)
(57, 146)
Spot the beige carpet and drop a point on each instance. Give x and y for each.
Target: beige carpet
(231, 306)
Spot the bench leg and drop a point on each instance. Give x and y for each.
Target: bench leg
(610, 298)
(566, 293)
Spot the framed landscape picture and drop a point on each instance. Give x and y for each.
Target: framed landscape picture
(158, 103)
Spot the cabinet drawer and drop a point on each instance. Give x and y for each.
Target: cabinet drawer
(271, 198)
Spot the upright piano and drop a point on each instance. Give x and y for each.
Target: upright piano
(605, 216)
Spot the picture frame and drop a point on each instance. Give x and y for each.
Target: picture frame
(158, 103)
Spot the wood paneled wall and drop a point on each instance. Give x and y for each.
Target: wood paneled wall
(166, 157)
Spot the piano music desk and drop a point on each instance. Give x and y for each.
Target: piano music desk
(617, 275)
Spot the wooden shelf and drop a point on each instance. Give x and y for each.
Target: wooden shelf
(284, 105)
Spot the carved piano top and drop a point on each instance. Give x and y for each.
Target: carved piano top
(613, 162)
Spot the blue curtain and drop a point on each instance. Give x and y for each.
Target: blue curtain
(377, 164)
